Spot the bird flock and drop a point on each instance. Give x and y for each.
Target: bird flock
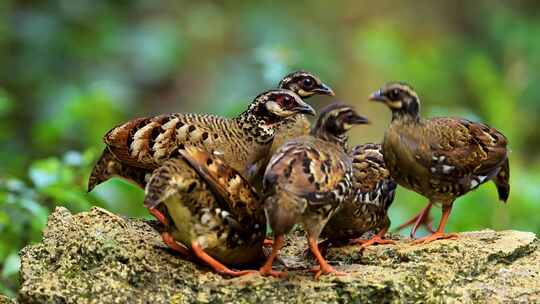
(216, 184)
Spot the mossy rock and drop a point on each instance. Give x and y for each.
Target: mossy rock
(99, 257)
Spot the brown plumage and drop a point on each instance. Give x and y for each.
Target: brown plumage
(307, 180)
(108, 166)
(302, 83)
(367, 210)
(208, 206)
(440, 158)
(219, 228)
(243, 141)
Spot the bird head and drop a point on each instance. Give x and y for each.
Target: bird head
(399, 97)
(335, 120)
(305, 84)
(283, 103)
(270, 109)
(275, 106)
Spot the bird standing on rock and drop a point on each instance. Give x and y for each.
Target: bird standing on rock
(307, 179)
(304, 84)
(440, 158)
(215, 227)
(367, 209)
(220, 228)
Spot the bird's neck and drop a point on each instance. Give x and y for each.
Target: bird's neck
(257, 123)
(405, 117)
(408, 113)
(337, 139)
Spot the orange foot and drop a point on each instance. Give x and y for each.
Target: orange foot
(216, 265)
(174, 245)
(264, 271)
(326, 270)
(376, 240)
(236, 273)
(436, 236)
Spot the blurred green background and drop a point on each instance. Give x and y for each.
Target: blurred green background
(71, 70)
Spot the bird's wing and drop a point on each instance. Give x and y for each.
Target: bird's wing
(458, 149)
(147, 142)
(368, 166)
(197, 183)
(371, 183)
(310, 169)
(238, 196)
(173, 177)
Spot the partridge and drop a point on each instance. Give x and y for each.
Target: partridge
(219, 227)
(243, 141)
(367, 210)
(307, 180)
(304, 84)
(202, 211)
(440, 158)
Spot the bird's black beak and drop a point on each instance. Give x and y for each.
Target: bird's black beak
(377, 96)
(358, 120)
(305, 108)
(323, 89)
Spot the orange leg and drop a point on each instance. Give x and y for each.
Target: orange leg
(268, 242)
(323, 247)
(160, 216)
(174, 245)
(324, 268)
(418, 220)
(423, 219)
(216, 265)
(377, 239)
(439, 234)
(167, 237)
(266, 269)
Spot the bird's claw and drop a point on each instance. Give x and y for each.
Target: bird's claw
(274, 273)
(325, 270)
(373, 241)
(237, 273)
(435, 236)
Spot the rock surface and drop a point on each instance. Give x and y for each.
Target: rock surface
(98, 257)
(6, 300)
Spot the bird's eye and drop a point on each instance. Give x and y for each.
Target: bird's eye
(285, 100)
(394, 94)
(308, 83)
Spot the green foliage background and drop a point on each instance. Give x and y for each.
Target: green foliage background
(71, 70)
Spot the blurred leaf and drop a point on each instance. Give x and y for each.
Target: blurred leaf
(6, 104)
(45, 172)
(11, 265)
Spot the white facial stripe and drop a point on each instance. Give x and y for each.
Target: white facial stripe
(303, 93)
(395, 104)
(275, 108)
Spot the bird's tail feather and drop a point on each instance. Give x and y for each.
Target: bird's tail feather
(502, 181)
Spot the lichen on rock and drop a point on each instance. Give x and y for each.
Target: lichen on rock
(99, 257)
